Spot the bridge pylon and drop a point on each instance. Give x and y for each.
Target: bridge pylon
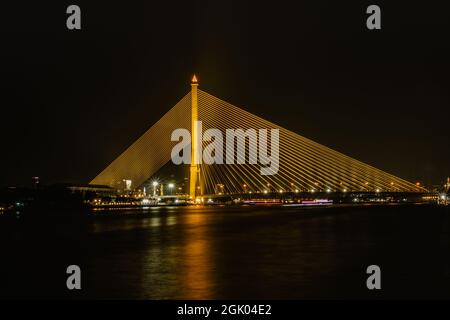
(194, 170)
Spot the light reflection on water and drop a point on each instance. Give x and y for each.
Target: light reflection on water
(207, 253)
(197, 260)
(240, 252)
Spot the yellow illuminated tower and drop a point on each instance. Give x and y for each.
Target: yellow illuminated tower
(194, 172)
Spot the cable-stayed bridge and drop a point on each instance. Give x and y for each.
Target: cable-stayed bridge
(303, 165)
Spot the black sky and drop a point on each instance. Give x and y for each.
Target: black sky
(71, 101)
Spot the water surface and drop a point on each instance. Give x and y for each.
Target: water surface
(232, 252)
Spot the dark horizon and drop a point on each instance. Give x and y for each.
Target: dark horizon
(74, 100)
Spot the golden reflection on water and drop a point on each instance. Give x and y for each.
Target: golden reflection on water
(160, 263)
(180, 270)
(198, 277)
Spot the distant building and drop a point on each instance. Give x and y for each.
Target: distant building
(100, 190)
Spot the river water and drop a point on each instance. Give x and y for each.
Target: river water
(231, 253)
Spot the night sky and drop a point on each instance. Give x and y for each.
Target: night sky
(72, 101)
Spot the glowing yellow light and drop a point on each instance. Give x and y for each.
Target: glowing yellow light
(194, 79)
